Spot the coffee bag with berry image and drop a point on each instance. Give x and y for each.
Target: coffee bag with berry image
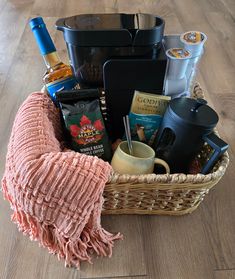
(84, 123)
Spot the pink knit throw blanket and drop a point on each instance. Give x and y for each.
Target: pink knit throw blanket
(55, 193)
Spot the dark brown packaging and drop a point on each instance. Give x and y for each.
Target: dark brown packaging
(84, 123)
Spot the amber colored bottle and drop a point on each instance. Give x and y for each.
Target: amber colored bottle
(58, 76)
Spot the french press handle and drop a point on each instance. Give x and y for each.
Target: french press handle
(218, 146)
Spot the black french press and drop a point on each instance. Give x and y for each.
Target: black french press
(187, 124)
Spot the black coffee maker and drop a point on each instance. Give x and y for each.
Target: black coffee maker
(119, 53)
(186, 126)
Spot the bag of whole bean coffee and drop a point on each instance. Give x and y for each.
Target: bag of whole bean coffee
(84, 123)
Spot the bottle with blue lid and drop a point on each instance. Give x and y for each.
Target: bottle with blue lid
(58, 76)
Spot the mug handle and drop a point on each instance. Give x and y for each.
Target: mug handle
(162, 163)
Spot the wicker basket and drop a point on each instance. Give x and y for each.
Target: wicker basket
(168, 194)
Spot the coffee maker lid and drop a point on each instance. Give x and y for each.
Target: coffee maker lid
(193, 112)
(111, 21)
(113, 29)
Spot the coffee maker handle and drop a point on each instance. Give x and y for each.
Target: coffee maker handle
(218, 146)
(60, 24)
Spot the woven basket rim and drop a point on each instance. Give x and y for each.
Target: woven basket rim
(176, 178)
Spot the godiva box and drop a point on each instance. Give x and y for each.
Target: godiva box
(146, 115)
(147, 103)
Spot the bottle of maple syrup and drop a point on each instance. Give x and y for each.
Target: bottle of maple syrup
(58, 76)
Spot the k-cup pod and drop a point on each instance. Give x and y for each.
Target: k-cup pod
(175, 87)
(192, 67)
(193, 41)
(178, 59)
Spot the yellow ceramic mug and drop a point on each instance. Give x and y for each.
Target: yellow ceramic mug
(141, 162)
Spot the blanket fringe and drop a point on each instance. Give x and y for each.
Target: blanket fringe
(73, 252)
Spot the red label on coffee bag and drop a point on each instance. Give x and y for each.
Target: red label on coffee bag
(88, 132)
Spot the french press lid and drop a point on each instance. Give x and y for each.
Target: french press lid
(194, 112)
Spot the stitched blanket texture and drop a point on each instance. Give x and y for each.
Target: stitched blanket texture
(55, 193)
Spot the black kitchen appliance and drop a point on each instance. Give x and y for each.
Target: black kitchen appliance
(186, 126)
(119, 53)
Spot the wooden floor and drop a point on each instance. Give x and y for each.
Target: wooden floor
(200, 245)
